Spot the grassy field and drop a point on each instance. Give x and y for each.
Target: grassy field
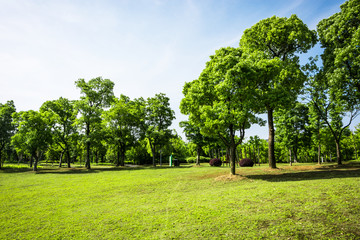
(301, 202)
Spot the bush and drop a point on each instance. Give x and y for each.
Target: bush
(215, 162)
(246, 162)
(193, 159)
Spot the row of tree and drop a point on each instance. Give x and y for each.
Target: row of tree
(307, 105)
(264, 75)
(94, 124)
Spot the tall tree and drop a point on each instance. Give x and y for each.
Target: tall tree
(217, 102)
(6, 127)
(158, 119)
(332, 105)
(340, 37)
(62, 114)
(97, 94)
(281, 39)
(33, 134)
(124, 120)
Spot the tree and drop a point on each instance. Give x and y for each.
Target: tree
(33, 134)
(340, 37)
(124, 119)
(278, 39)
(158, 119)
(291, 126)
(332, 105)
(218, 101)
(6, 127)
(62, 114)
(97, 94)
(193, 134)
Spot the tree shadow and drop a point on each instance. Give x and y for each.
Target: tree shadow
(320, 173)
(15, 170)
(83, 170)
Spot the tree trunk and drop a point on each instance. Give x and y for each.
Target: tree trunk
(290, 156)
(254, 154)
(35, 165)
(295, 155)
(123, 156)
(272, 162)
(61, 157)
(198, 155)
(232, 158)
(87, 162)
(118, 156)
(258, 153)
(1, 149)
(352, 137)
(68, 158)
(338, 153)
(319, 154)
(31, 161)
(153, 152)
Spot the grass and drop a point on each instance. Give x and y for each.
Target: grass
(301, 202)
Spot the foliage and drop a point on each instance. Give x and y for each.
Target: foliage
(124, 121)
(274, 43)
(217, 102)
(97, 94)
(340, 37)
(215, 162)
(193, 134)
(62, 115)
(33, 134)
(6, 127)
(158, 119)
(195, 159)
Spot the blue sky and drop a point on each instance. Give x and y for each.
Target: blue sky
(144, 47)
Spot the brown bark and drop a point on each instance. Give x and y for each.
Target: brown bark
(272, 162)
(338, 153)
(87, 163)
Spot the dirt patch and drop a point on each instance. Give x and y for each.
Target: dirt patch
(230, 177)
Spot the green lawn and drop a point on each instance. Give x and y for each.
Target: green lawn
(302, 202)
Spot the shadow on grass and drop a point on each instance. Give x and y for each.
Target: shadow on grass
(349, 171)
(83, 170)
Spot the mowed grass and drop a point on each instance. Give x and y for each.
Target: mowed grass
(299, 202)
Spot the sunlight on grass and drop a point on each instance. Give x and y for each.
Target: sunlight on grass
(181, 203)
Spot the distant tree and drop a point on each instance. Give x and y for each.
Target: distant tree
(279, 39)
(33, 134)
(97, 94)
(193, 134)
(291, 126)
(62, 115)
(6, 127)
(158, 119)
(124, 120)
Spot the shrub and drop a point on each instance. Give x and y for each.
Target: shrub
(215, 162)
(246, 162)
(193, 159)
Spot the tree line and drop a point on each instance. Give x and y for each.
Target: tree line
(309, 107)
(264, 76)
(97, 125)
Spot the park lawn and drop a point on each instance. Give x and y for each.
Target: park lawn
(299, 202)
